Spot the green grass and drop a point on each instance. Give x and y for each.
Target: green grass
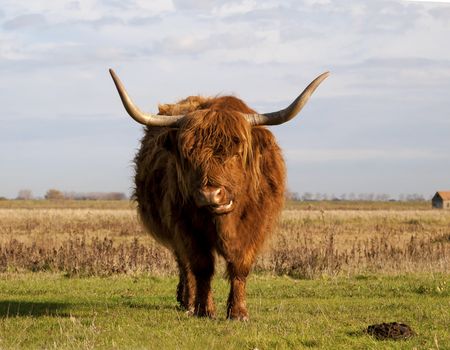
(51, 311)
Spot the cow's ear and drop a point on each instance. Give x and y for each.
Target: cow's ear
(171, 140)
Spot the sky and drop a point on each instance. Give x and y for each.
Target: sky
(379, 124)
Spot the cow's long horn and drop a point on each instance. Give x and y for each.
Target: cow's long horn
(137, 114)
(284, 115)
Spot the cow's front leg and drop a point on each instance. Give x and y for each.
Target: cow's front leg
(237, 306)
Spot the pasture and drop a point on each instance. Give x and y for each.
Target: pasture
(85, 275)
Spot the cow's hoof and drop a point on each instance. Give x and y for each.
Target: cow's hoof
(243, 318)
(238, 314)
(190, 312)
(204, 312)
(211, 315)
(185, 307)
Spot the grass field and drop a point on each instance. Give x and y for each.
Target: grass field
(84, 275)
(52, 311)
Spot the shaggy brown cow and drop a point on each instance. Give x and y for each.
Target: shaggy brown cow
(210, 178)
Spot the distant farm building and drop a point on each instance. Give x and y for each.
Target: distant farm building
(441, 200)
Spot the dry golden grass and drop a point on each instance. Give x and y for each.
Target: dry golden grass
(311, 243)
(106, 238)
(65, 204)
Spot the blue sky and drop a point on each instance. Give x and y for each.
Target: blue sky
(380, 123)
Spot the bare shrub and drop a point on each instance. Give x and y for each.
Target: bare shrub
(25, 194)
(80, 257)
(302, 260)
(53, 194)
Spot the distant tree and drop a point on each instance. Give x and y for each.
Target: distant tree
(25, 194)
(416, 197)
(307, 196)
(290, 195)
(109, 196)
(54, 194)
(384, 197)
(70, 195)
(117, 196)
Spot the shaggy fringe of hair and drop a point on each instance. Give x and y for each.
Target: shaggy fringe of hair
(185, 106)
(201, 126)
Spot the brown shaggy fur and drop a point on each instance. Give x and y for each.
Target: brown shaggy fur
(214, 146)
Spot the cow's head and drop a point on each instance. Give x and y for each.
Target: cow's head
(214, 153)
(212, 142)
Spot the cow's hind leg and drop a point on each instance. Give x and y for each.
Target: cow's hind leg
(202, 266)
(181, 282)
(186, 286)
(237, 306)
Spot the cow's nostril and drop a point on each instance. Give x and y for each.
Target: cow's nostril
(211, 195)
(216, 193)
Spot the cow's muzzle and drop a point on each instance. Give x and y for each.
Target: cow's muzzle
(216, 199)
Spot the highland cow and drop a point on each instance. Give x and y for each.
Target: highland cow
(210, 180)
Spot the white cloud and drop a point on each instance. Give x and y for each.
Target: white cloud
(86, 10)
(432, 1)
(23, 21)
(242, 7)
